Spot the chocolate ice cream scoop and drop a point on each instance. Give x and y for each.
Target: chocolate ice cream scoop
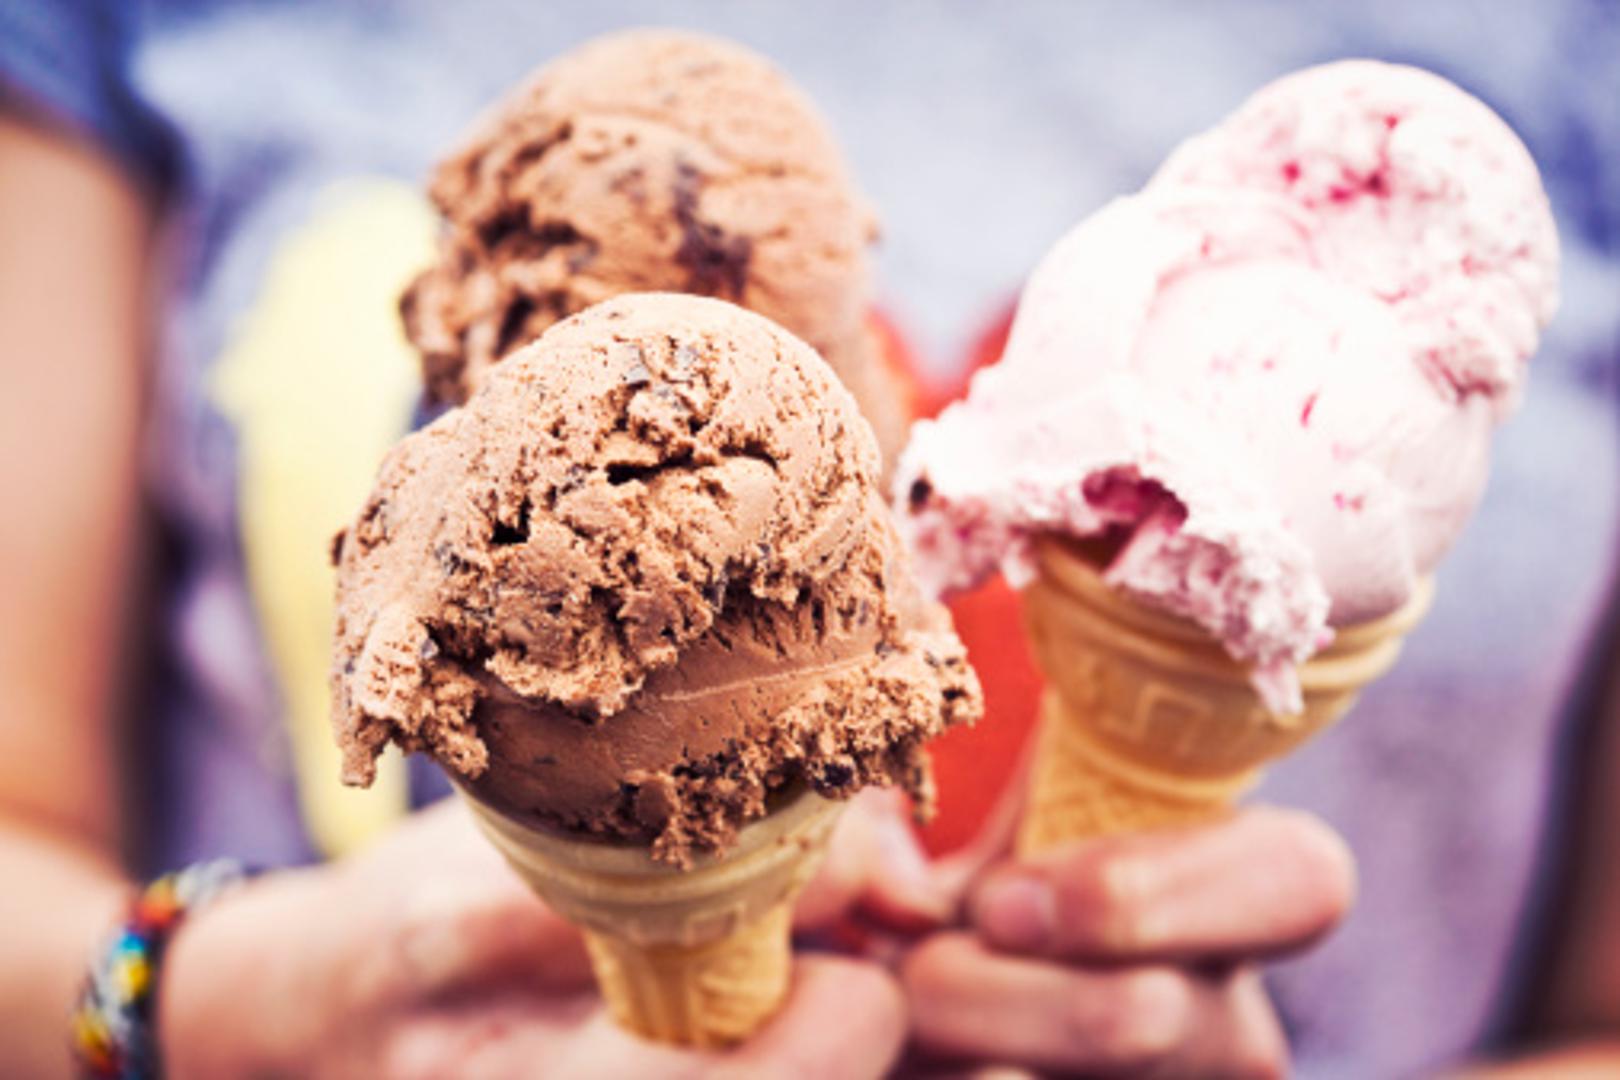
(642, 579)
(643, 160)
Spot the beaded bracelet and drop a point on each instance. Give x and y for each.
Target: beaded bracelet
(112, 1025)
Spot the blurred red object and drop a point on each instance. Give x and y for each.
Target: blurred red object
(973, 765)
(984, 351)
(900, 361)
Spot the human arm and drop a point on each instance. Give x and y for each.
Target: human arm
(73, 275)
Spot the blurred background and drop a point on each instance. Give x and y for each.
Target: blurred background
(980, 134)
(291, 141)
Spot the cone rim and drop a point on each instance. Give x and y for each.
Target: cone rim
(799, 807)
(1068, 576)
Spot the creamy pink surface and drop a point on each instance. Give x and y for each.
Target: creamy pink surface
(1273, 374)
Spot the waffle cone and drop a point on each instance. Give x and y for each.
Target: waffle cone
(1146, 722)
(697, 956)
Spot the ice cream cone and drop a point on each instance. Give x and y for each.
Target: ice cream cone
(697, 956)
(1147, 722)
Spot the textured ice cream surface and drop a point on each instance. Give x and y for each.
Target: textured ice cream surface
(1270, 379)
(644, 577)
(1418, 194)
(643, 160)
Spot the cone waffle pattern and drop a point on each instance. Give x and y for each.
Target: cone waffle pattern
(696, 957)
(1147, 723)
(714, 994)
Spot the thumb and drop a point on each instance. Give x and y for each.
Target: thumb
(842, 1018)
(860, 1002)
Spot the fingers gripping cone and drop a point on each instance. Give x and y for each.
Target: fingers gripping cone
(1147, 722)
(697, 956)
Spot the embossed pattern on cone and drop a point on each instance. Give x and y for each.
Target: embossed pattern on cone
(713, 994)
(696, 957)
(1147, 722)
(1078, 789)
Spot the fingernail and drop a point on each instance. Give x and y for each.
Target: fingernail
(1017, 913)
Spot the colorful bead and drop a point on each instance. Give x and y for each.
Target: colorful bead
(111, 1029)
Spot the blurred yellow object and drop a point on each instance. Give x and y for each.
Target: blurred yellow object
(320, 382)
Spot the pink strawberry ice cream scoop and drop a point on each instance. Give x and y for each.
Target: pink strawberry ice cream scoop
(1269, 379)
(1419, 194)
